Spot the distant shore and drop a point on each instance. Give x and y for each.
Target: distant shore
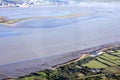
(16, 70)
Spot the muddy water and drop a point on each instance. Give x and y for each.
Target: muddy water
(45, 37)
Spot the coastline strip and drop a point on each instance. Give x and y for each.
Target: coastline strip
(24, 68)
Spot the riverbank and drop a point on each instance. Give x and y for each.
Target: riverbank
(104, 66)
(18, 69)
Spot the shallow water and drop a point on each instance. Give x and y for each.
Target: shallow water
(45, 37)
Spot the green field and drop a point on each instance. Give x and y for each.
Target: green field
(105, 60)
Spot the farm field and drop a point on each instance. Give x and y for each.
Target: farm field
(105, 60)
(106, 67)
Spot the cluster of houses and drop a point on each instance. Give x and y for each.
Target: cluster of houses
(96, 53)
(28, 3)
(101, 51)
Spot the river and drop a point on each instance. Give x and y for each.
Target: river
(55, 34)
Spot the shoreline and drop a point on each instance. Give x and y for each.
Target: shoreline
(74, 60)
(24, 68)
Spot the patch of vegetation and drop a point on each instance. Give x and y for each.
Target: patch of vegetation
(2, 19)
(103, 67)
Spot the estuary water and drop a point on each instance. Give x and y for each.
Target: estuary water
(55, 30)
